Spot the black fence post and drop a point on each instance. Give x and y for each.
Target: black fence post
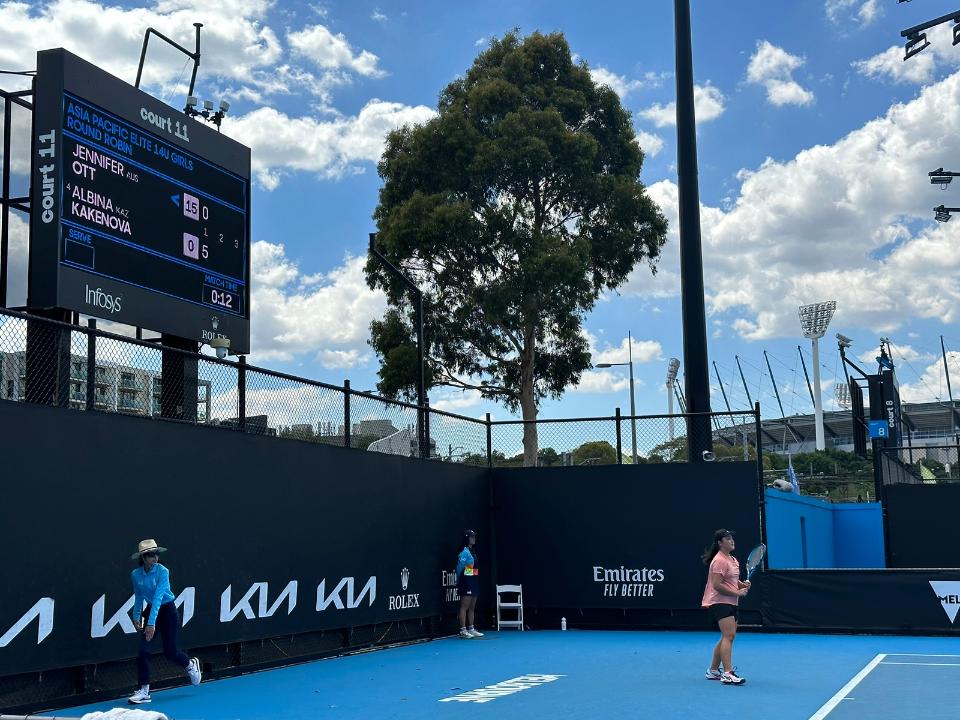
(489, 442)
(619, 440)
(346, 413)
(425, 449)
(760, 486)
(91, 363)
(5, 208)
(242, 394)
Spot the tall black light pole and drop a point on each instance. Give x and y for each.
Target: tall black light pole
(696, 370)
(423, 432)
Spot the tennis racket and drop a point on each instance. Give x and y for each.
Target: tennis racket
(755, 558)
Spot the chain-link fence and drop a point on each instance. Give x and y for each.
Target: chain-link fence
(81, 367)
(623, 439)
(930, 464)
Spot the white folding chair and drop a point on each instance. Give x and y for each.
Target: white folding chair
(518, 605)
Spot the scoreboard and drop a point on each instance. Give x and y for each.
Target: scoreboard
(141, 215)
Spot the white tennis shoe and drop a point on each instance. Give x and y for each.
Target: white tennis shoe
(731, 678)
(193, 671)
(465, 634)
(142, 695)
(474, 632)
(713, 674)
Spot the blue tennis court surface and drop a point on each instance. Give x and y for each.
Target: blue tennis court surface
(579, 674)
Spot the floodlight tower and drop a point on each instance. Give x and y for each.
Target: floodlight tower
(814, 320)
(672, 367)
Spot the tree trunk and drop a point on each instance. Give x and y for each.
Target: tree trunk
(528, 404)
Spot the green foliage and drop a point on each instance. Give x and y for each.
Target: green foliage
(392, 338)
(676, 451)
(825, 462)
(548, 457)
(598, 452)
(514, 209)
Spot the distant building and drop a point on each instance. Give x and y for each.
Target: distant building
(117, 388)
(924, 424)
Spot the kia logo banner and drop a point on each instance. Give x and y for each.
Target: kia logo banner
(256, 549)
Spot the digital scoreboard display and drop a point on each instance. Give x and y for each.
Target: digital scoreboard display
(141, 215)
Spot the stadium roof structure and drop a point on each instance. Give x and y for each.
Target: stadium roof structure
(926, 422)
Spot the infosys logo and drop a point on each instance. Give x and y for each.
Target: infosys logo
(105, 301)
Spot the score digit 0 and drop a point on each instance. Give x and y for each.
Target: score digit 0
(192, 247)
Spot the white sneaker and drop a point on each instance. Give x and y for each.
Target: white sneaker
(142, 695)
(731, 678)
(713, 674)
(474, 632)
(465, 634)
(193, 671)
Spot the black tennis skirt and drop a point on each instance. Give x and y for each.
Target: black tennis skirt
(468, 586)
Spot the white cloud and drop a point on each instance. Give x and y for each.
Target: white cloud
(643, 351)
(623, 86)
(236, 44)
(282, 144)
(650, 144)
(819, 226)
(901, 353)
(341, 359)
(378, 16)
(293, 314)
(333, 52)
(708, 104)
(889, 64)
(19, 141)
(244, 58)
(19, 234)
(773, 68)
(842, 11)
(601, 381)
(454, 401)
(480, 41)
(932, 383)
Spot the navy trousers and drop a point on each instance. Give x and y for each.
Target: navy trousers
(168, 621)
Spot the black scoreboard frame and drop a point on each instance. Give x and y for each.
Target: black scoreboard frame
(56, 284)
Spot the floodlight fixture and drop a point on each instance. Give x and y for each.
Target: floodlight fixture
(916, 38)
(942, 177)
(844, 341)
(841, 393)
(207, 113)
(672, 367)
(915, 44)
(942, 214)
(815, 318)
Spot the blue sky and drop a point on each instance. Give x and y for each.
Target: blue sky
(814, 143)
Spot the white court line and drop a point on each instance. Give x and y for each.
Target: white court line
(854, 681)
(916, 663)
(918, 655)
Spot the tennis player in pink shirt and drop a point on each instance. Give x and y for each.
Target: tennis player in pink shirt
(721, 597)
